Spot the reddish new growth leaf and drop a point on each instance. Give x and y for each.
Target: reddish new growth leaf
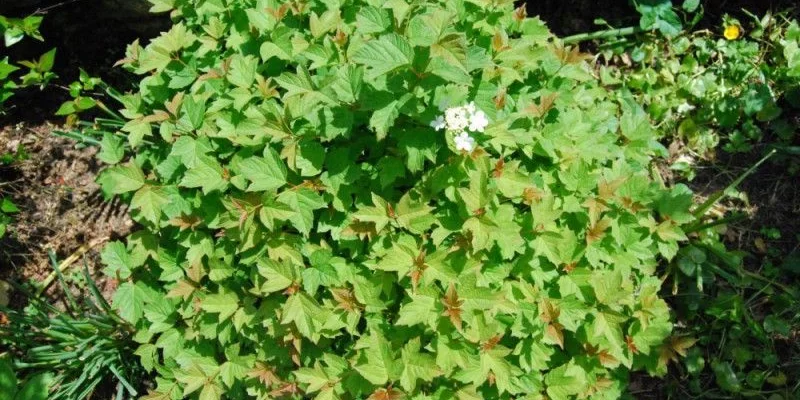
(549, 315)
(298, 6)
(313, 184)
(340, 38)
(196, 272)
(597, 231)
(569, 267)
(631, 345)
(280, 12)
(389, 393)
(601, 384)
(596, 207)
(266, 88)
(479, 152)
(418, 269)
(174, 105)
(155, 395)
(243, 211)
(452, 306)
(286, 390)
(606, 359)
(491, 378)
(186, 222)
(133, 56)
(500, 43)
(463, 241)
(631, 205)
(545, 104)
(345, 300)
(264, 374)
(674, 347)
(157, 116)
(211, 74)
(607, 190)
(498, 168)
(182, 289)
(500, 98)
(570, 54)
(292, 289)
(491, 343)
(295, 343)
(532, 195)
(520, 13)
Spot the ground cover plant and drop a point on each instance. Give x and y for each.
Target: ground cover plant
(13, 31)
(728, 84)
(367, 199)
(730, 88)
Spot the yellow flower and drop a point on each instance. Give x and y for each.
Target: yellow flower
(732, 32)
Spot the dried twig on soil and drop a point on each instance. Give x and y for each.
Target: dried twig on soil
(71, 260)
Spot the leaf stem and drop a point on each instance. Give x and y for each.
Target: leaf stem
(714, 198)
(604, 34)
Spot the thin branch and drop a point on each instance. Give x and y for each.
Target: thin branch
(54, 6)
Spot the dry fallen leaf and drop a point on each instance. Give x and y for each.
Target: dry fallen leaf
(5, 290)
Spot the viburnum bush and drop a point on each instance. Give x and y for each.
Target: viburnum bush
(352, 199)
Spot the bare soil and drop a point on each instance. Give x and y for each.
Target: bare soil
(61, 207)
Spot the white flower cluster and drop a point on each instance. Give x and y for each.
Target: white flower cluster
(459, 120)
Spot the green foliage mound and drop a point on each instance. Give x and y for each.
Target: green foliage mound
(314, 226)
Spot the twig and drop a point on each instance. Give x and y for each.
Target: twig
(54, 6)
(604, 34)
(69, 261)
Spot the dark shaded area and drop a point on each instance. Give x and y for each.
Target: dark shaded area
(88, 34)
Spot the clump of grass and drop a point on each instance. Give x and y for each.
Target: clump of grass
(84, 347)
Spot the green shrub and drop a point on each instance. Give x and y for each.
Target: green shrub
(313, 225)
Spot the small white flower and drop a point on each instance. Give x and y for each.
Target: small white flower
(456, 118)
(684, 108)
(464, 142)
(478, 121)
(685, 159)
(470, 107)
(438, 123)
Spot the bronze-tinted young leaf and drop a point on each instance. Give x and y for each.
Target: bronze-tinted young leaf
(570, 54)
(387, 394)
(545, 104)
(264, 374)
(452, 306)
(520, 13)
(598, 230)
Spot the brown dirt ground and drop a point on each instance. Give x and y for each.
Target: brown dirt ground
(61, 206)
